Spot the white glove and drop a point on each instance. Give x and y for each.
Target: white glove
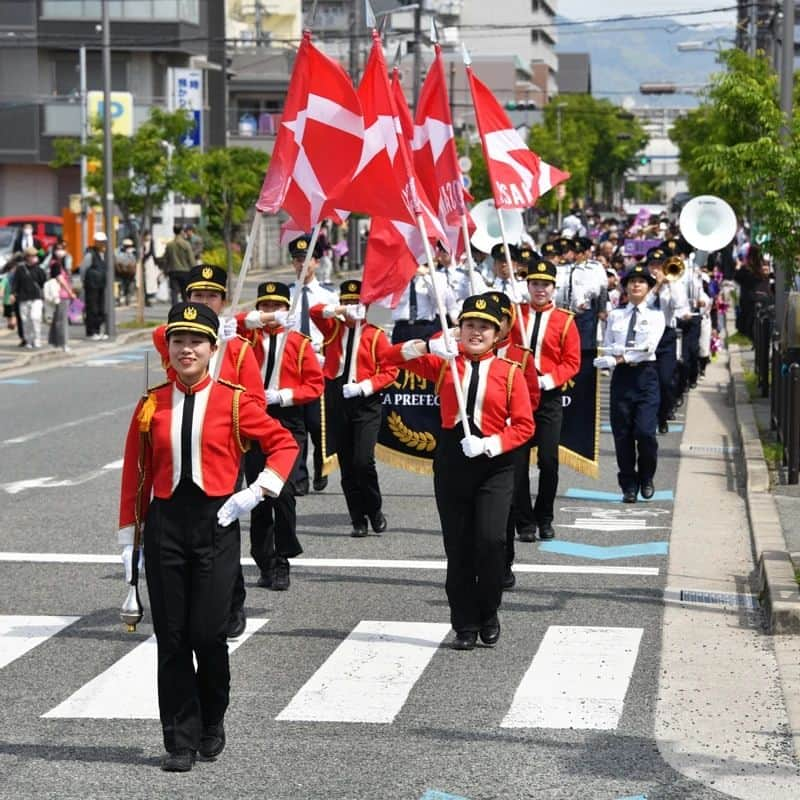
(227, 328)
(356, 312)
(618, 350)
(438, 347)
(284, 318)
(127, 561)
(239, 504)
(351, 390)
(605, 362)
(473, 446)
(253, 320)
(273, 397)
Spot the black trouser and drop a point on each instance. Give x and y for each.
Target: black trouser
(667, 364)
(95, 309)
(357, 422)
(548, 417)
(312, 427)
(472, 494)
(690, 352)
(586, 323)
(177, 286)
(20, 332)
(191, 567)
(520, 517)
(404, 330)
(634, 416)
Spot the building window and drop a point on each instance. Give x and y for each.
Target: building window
(536, 35)
(152, 10)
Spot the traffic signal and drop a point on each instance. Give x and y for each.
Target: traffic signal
(520, 105)
(644, 160)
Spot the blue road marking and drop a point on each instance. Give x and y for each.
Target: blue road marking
(673, 428)
(634, 797)
(19, 381)
(432, 794)
(600, 553)
(614, 497)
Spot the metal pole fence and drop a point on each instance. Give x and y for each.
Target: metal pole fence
(792, 445)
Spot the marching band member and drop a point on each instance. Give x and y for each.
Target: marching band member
(194, 432)
(669, 297)
(416, 315)
(288, 385)
(505, 278)
(311, 293)
(474, 475)
(206, 285)
(357, 379)
(632, 337)
(520, 517)
(458, 277)
(551, 335)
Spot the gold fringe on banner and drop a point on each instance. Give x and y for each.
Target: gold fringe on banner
(420, 466)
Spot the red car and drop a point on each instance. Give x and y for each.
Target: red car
(47, 229)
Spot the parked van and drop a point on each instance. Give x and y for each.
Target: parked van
(47, 229)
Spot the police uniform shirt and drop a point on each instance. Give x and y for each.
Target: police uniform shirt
(460, 284)
(670, 299)
(648, 329)
(426, 301)
(317, 294)
(517, 290)
(579, 284)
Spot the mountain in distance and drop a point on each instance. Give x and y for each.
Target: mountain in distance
(628, 52)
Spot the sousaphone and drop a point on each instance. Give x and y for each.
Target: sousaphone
(708, 223)
(487, 226)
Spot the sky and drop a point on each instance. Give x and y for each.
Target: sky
(584, 10)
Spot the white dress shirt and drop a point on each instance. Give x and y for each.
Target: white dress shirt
(648, 331)
(426, 300)
(577, 285)
(672, 301)
(317, 294)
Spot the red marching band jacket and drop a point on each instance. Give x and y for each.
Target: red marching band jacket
(299, 380)
(557, 355)
(239, 365)
(224, 416)
(522, 356)
(372, 371)
(502, 407)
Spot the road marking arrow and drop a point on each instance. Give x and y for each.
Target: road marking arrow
(605, 553)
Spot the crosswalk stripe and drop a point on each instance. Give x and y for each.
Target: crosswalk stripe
(19, 634)
(577, 679)
(369, 675)
(127, 689)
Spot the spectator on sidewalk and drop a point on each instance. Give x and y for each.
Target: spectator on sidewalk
(125, 270)
(93, 280)
(178, 261)
(26, 287)
(10, 308)
(149, 268)
(195, 241)
(59, 327)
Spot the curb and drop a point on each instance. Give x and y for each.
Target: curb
(778, 589)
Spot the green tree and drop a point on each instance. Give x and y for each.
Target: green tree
(226, 182)
(732, 146)
(143, 172)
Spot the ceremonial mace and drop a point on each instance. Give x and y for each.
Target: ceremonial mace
(131, 611)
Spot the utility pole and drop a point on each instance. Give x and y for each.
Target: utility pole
(417, 53)
(84, 160)
(353, 238)
(108, 176)
(753, 26)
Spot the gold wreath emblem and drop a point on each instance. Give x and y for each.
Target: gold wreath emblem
(542, 268)
(351, 287)
(190, 312)
(301, 245)
(207, 272)
(480, 304)
(270, 287)
(416, 440)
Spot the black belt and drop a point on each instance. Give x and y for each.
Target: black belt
(413, 321)
(637, 365)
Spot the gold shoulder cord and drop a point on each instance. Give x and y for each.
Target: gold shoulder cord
(237, 393)
(510, 381)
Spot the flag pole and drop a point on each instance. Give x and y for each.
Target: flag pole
(513, 280)
(237, 292)
(468, 252)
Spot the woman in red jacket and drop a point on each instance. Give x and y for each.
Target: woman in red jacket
(188, 436)
(474, 474)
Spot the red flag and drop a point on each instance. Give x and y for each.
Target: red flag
(319, 141)
(518, 176)
(435, 155)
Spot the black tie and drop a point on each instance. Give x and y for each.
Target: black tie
(535, 335)
(569, 288)
(472, 395)
(412, 300)
(273, 338)
(186, 438)
(630, 339)
(657, 303)
(304, 326)
(348, 354)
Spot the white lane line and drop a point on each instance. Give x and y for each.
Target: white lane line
(577, 679)
(49, 482)
(18, 634)
(64, 425)
(369, 675)
(340, 563)
(128, 688)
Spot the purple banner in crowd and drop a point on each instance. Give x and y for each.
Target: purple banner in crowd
(639, 247)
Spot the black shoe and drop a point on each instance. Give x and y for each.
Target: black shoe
(528, 535)
(320, 483)
(671, 416)
(490, 632)
(546, 531)
(212, 741)
(648, 490)
(301, 488)
(267, 577)
(280, 582)
(179, 761)
(679, 400)
(509, 579)
(236, 623)
(465, 640)
(693, 385)
(629, 496)
(663, 427)
(378, 522)
(359, 529)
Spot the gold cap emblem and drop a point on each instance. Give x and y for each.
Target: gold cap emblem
(190, 313)
(542, 268)
(270, 287)
(208, 273)
(351, 287)
(480, 304)
(302, 245)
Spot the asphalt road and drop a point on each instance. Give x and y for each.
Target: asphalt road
(574, 623)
